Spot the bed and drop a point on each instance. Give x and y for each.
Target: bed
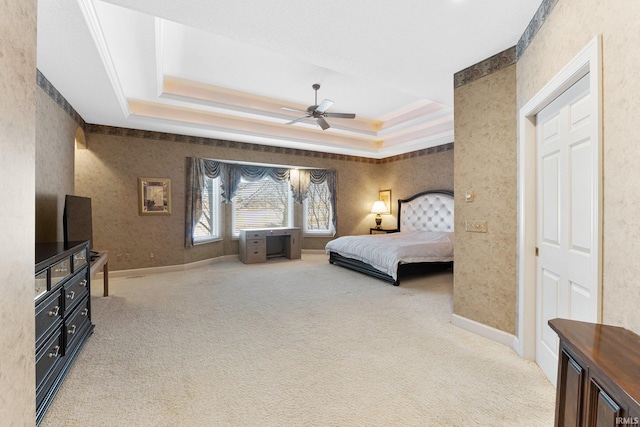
(424, 240)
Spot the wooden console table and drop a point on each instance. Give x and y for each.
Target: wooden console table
(102, 262)
(598, 375)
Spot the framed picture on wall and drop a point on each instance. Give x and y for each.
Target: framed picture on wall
(154, 196)
(385, 196)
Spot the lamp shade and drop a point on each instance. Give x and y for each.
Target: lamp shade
(379, 207)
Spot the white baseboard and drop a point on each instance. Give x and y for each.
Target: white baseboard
(483, 330)
(167, 268)
(182, 267)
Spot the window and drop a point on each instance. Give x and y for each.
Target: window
(208, 227)
(317, 210)
(257, 196)
(262, 204)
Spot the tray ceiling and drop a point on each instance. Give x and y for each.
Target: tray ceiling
(223, 69)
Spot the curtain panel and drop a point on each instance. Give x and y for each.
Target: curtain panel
(231, 174)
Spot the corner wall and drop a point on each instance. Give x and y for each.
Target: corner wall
(17, 225)
(485, 284)
(55, 160)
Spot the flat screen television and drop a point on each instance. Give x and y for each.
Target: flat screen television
(76, 220)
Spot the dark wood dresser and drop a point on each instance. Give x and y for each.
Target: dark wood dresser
(598, 375)
(63, 314)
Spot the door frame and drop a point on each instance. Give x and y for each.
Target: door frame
(589, 60)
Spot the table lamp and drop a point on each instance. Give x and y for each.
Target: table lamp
(378, 208)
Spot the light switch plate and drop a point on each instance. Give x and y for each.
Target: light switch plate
(476, 226)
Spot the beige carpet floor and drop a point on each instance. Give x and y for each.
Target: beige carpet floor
(291, 343)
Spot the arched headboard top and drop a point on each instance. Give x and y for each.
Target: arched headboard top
(426, 211)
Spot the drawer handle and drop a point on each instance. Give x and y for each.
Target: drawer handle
(71, 295)
(255, 252)
(84, 312)
(84, 283)
(72, 330)
(54, 312)
(56, 352)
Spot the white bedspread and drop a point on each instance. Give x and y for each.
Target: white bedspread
(385, 251)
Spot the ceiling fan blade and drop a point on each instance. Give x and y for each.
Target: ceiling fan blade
(297, 120)
(294, 110)
(324, 106)
(323, 123)
(341, 115)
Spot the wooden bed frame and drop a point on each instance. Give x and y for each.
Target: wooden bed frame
(403, 268)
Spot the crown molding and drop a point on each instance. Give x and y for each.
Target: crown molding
(418, 122)
(221, 143)
(159, 40)
(93, 23)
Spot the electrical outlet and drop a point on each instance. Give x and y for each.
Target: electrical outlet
(476, 226)
(151, 255)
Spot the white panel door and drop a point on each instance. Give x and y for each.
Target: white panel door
(567, 266)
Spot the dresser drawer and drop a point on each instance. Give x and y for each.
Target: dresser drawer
(75, 324)
(41, 283)
(48, 316)
(255, 243)
(48, 356)
(45, 388)
(256, 254)
(75, 289)
(60, 271)
(254, 234)
(79, 259)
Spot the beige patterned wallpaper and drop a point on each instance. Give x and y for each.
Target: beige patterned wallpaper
(17, 174)
(485, 165)
(571, 25)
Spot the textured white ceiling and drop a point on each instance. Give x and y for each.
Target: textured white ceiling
(223, 69)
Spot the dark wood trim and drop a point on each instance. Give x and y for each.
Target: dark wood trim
(598, 374)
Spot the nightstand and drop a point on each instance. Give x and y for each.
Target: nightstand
(374, 230)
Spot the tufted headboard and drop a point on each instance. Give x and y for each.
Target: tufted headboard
(427, 211)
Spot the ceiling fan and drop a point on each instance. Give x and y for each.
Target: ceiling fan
(319, 111)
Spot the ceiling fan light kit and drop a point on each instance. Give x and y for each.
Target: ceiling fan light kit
(319, 111)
